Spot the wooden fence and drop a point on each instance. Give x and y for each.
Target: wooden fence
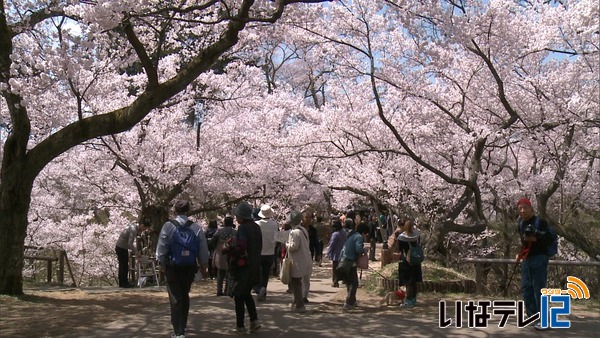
(51, 256)
(480, 263)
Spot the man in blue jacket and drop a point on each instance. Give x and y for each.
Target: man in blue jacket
(353, 247)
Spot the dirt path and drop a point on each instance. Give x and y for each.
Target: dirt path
(114, 312)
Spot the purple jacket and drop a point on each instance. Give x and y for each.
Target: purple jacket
(336, 243)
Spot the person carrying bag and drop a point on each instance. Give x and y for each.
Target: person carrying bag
(353, 248)
(286, 269)
(411, 257)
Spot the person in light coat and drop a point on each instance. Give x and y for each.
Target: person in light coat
(299, 251)
(269, 230)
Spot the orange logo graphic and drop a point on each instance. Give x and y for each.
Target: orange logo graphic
(576, 288)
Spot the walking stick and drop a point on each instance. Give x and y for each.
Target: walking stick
(522, 255)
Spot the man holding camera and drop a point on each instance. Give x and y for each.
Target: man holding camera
(535, 240)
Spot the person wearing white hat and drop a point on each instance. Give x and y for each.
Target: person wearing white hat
(269, 229)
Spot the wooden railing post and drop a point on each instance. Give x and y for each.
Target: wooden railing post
(61, 267)
(69, 267)
(480, 278)
(386, 257)
(49, 272)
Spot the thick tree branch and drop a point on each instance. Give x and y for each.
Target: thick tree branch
(499, 82)
(137, 45)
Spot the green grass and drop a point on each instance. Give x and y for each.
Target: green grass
(432, 271)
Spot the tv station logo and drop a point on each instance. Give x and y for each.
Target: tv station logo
(554, 303)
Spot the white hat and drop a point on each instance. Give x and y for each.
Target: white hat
(265, 211)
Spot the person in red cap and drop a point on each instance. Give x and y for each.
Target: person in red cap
(535, 239)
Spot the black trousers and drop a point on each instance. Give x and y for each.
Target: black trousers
(266, 263)
(334, 274)
(243, 300)
(123, 257)
(351, 281)
(179, 283)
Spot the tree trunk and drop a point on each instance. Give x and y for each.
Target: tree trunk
(157, 215)
(15, 198)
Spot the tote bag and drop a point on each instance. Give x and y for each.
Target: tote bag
(286, 269)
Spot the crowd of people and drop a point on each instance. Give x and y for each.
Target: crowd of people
(243, 257)
(246, 249)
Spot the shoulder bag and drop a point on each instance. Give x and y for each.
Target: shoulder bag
(286, 269)
(363, 262)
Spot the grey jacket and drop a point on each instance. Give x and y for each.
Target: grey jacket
(127, 238)
(166, 235)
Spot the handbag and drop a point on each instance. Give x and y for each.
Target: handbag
(344, 268)
(362, 262)
(286, 269)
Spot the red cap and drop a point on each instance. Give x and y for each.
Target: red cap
(525, 201)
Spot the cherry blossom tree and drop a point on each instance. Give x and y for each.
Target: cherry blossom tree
(482, 103)
(71, 71)
(445, 111)
(233, 157)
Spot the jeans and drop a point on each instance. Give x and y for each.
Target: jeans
(179, 283)
(534, 275)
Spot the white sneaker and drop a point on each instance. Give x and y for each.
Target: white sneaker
(539, 327)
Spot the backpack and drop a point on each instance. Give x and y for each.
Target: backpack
(416, 256)
(227, 241)
(553, 247)
(184, 246)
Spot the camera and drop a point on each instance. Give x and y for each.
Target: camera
(529, 230)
